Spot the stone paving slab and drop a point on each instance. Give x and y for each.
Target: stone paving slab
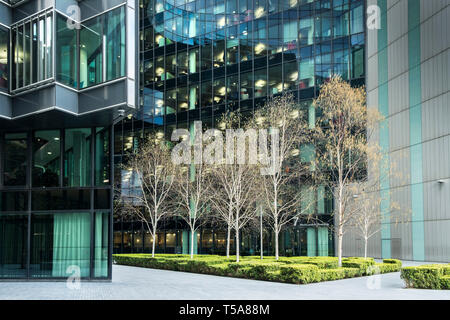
(150, 284)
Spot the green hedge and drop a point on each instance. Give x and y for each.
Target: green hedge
(299, 270)
(433, 276)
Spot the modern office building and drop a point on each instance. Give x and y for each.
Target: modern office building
(81, 82)
(67, 71)
(408, 80)
(200, 58)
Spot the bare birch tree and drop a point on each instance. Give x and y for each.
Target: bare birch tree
(235, 180)
(149, 199)
(193, 191)
(280, 187)
(343, 151)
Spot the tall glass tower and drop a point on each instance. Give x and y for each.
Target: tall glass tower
(200, 58)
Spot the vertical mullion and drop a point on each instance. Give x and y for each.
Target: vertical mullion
(16, 55)
(23, 53)
(92, 247)
(53, 44)
(111, 214)
(31, 51)
(44, 35)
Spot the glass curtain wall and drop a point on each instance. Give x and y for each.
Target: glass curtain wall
(69, 218)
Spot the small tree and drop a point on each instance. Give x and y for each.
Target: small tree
(149, 200)
(280, 187)
(343, 151)
(235, 178)
(193, 185)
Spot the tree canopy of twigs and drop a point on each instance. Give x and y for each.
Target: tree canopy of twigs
(342, 148)
(281, 187)
(150, 201)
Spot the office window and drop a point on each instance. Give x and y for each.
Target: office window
(66, 53)
(260, 83)
(13, 246)
(102, 157)
(59, 241)
(91, 53)
(101, 241)
(4, 51)
(114, 35)
(77, 157)
(15, 159)
(46, 158)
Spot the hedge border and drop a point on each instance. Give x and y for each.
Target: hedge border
(297, 270)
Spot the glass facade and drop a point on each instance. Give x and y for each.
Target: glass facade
(102, 48)
(201, 58)
(50, 201)
(32, 50)
(86, 56)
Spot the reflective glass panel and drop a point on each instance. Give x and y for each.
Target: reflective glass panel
(91, 53)
(66, 53)
(77, 157)
(60, 245)
(15, 159)
(46, 158)
(13, 246)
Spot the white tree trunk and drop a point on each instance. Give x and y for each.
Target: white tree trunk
(277, 254)
(192, 244)
(237, 246)
(228, 241)
(154, 243)
(365, 247)
(340, 236)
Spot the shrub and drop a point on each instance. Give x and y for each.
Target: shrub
(424, 277)
(360, 263)
(292, 270)
(445, 282)
(300, 274)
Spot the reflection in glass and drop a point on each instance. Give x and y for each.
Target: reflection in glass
(91, 53)
(102, 157)
(59, 241)
(46, 158)
(101, 244)
(77, 158)
(15, 159)
(13, 246)
(66, 53)
(114, 34)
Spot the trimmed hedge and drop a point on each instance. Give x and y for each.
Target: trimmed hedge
(298, 270)
(432, 276)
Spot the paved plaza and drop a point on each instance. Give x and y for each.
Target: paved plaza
(149, 284)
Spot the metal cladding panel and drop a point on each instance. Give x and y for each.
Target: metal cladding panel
(5, 14)
(31, 7)
(114, 94)
(66, 99)
(34, 102)
(5, 106)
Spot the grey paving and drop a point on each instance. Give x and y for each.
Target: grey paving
(149, 284)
